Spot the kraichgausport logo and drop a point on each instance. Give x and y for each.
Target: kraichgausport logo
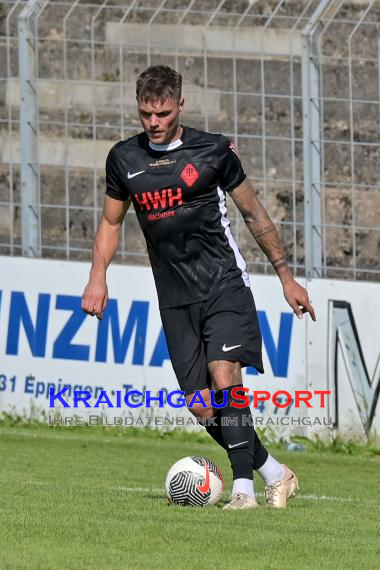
(176, 398)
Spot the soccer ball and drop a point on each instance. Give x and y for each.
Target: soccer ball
(195, 482)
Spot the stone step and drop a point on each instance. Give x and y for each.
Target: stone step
(59, 94)
(53, 151)
(195, 39)
(90, 154)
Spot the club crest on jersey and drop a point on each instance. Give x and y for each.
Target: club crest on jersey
(190, 174)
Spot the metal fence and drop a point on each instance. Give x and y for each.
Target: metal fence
(295, 84)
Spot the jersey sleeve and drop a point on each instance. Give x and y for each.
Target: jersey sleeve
(114, 184)
(231, 173)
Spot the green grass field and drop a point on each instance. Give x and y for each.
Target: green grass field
(93, 498)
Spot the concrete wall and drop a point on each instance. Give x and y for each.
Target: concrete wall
(59, 94)
(195, 39)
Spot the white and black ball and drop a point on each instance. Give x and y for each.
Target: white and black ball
(195, 482)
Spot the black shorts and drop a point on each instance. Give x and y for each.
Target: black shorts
(224, 327)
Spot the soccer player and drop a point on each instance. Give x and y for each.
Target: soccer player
(177, 178)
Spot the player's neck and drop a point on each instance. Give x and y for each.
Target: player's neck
(175, 142)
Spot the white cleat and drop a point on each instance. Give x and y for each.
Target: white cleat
(278, 493)
(240, 501)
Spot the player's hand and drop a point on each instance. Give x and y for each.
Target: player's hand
(95, 298)
(298, 299)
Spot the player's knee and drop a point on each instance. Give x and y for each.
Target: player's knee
(200, 409)
(200, 412)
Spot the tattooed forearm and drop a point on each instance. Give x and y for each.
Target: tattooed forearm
(266, 235)
(264, 231)
(261, 227)
(278, 263)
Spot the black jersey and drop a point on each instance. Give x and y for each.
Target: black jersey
(179, 195)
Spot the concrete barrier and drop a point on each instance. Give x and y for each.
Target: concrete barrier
(54, 151)
(169, 38)
(107, 97)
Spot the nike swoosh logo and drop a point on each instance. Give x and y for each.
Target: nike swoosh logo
(129, 175)
(227, 348)
(206, 485)
(236, 444)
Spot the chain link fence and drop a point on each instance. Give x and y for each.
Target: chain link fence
(295, 84)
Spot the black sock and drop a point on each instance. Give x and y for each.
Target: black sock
(260, 453)
(213, 429)
(248, 456)
(238, 435)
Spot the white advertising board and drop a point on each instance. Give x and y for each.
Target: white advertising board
(343, 352)
(47, 342)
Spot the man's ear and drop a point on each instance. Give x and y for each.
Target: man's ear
(181, 104)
